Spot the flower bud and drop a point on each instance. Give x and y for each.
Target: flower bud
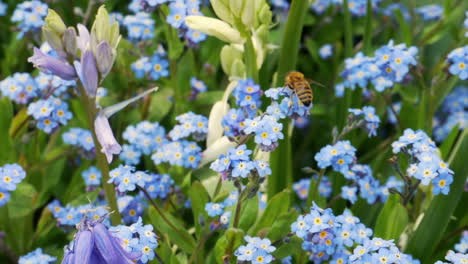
(219, 147)
(88, 73)
(105, 57)
(69, 40)
(236, 7)
(214, 27)
(104, 29)
(215, 128)
(265, 15)
(262, 33)
(248, 14)
(238, 69)
(228, 55)
(54, 39)
(54, 22)
(259, 51)
(52, 65)
(221, 8)
(106, 138)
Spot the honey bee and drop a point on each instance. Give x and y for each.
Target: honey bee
(301, 87)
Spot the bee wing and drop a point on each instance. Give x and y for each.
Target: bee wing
(315, 82)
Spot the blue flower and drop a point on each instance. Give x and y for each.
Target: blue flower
(30, 16)
(442, 184)
(458, 60)
(10, 176)
(231, 199)
(92, 176)
(280, 4)
(248, 95)
(267, 131)
(234, 122)
(257, 250)
(430, 12)
(139, 26)
(349, 193)
(326, 51)
(159, 185)
(371, 120)
(37, 256)
(124, 178)
(182, 153)
(214, 209)
(190, 124)
(3, 8)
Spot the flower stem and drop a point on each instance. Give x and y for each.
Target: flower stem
(102, 164)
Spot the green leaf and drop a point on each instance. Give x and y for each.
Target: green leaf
(392, 219)
(277, 205)
(249, 213)
(181, 237)
(227, 243)
(286, 249)
(436, 218)
(447, 145)
(160, 104)
(6, 146)
(199, 198)
(86, 198)
(282, 226)
(22, 200)
(209, 98)
(405, 30)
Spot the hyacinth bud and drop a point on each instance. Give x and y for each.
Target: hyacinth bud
(69, 40)
(221, 8)
(236, 7)
(54, 39)
(106, 138)
(259, 51)
(104, 29)
(214, 27)
(88, 73)
(248, 14)
(105, 58)
(219, 147)
(52, 65)
(262, 33)
(265, 15)
(215, 128)
(237, 69)
(228, 55)
(54, 22)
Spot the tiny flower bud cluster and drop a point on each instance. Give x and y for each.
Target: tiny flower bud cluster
(371, 120)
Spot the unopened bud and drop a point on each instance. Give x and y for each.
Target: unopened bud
(215, 128)
(262, 33)
(238, 69)
(105, 58)
(221, 8)
(265, 15)
(69, 40)
(228, 55)
(248, 14)
(51, 37)
(54, 22)
(101, 26)
(214, 27)
(236, 7)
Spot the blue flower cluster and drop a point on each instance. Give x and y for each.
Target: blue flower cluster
(340, 156)
(302, 187)
(267, 131)
(357, 8)
(92, 176)
(234, 122)
(454, 258)
(219, 209)
(426, 164)
(30, 16)
(139, 26)
(280, 4)
(145, 138)
(155, 67)
(458, 60)
(160, 185)
(137, 238)
(430, 12)
(390, 65)
(20, 88)
(145, 5)
(182, 153)
(36, 257)
(371, 120)
(286, 104)
(178, 10)
(72, 215)
(454, 112)
(3, 8)
(462, 246)
(326, 51)
(131, 207)
(10, 175)
(331, 238)
(50, 113)
(191, 124)
(258, 250)
(79, 137)
(237, 163)
(127, 179)
(248, 96)
(378, 250)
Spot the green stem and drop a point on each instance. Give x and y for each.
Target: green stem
(313, 189)
(101, 159)
(348, 30)
(250, 60)
(368, 32)
(281, 159)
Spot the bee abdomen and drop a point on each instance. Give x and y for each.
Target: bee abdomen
(305, 96)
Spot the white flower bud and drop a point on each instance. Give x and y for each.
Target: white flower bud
(215, 129)
(221, 8)
(219, 147)
(214, 27)
(248, 14)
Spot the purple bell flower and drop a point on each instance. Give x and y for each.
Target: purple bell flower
(52, 65)
(87, 71)
(105, 136)
(95, 244)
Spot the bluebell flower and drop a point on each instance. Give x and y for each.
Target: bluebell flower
(139, 26)
(326, 51)
(430, 12)
(36, 257)
(191, 124)
(371, 120)
(30, 16)
(214, 209)
(458, 60)
(52, 65)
